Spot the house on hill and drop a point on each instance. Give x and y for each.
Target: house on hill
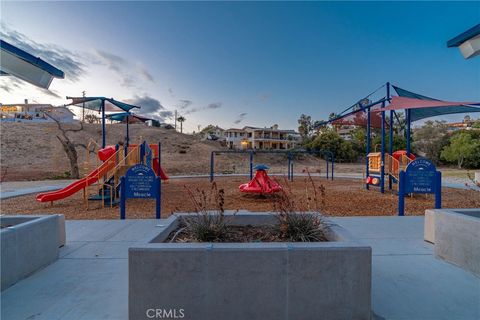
(212, 132)
(34, 112)
(255, 138)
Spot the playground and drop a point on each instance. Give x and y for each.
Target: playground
(344, 197)
(121, 180)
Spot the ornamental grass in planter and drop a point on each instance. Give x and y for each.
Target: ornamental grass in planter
(296, 220)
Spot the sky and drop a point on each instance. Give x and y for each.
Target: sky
(242, 63)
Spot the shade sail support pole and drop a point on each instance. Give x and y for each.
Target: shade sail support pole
(103, 124)
(367, 173)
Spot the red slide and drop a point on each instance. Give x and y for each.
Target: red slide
(77, 185)
(163, 176)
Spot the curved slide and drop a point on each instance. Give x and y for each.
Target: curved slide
(77, 185)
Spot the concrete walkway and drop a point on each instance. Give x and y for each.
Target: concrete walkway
(90, 280)
(12, 189)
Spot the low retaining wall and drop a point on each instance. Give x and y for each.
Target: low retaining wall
(28, 243)
(327, 280)
(457, 237)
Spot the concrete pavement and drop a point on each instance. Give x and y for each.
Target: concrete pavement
(90, 280)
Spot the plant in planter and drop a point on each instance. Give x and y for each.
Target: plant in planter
(249, 265)
(301, 221)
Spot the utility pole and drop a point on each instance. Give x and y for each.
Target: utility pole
(175, 119)
(83, 106)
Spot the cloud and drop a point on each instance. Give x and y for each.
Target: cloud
(264, 97)
(151, 107)
(8, 83)
(184, 104)
(51, 93)
(213, 105)
(66, 60)
(130, 75)
(240, 118)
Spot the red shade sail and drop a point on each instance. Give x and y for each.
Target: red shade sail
(400, 103)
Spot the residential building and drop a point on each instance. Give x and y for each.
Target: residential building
(261, 138)
(466, 124)
(212, 133)
(345, 132)
(34, 112)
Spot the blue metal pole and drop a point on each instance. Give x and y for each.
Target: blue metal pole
(103, 125)
(327, 167)
(122, 198)
(382, 154)
(368, 146)
(390, 136)
(291, 171)
(333, 165)
(159, 205)
(158, 202)
(288, 165)
(438, 190)
(128, 133)
(401, 193)
(407, 111)
(212, 159)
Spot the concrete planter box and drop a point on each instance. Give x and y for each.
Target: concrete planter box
(323, 280)
(456, 236)
(28, 243)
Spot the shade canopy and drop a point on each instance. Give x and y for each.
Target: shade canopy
(21, 64)
(360, 117)
(96, 103)
(422, 107)
(123, 116)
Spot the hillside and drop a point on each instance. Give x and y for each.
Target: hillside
(31, 150)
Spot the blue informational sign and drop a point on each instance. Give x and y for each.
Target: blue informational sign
(420, 176)
(140, 181)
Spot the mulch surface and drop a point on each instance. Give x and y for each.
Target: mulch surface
(343, 197)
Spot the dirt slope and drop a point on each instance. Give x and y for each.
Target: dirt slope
(31, 151)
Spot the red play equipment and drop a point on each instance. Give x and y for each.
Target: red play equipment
(105, 155)
(112, 164)
(261, 182)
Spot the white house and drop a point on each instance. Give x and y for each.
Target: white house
(261, 138)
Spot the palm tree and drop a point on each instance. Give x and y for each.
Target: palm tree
(181, 119)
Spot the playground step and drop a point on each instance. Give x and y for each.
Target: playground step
(98, 197)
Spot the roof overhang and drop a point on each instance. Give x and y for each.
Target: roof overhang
(468, 42)
(23, 65)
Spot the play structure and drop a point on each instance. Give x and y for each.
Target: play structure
(393, 164)
(290, 154)
(103, 183)
(261, 183)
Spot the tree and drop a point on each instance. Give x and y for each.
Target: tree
(430, 139)
(331, 141)
(462, 146)
(91, 118)
(181, 119)
(304, 126)
(68, 146)
(476, 124)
